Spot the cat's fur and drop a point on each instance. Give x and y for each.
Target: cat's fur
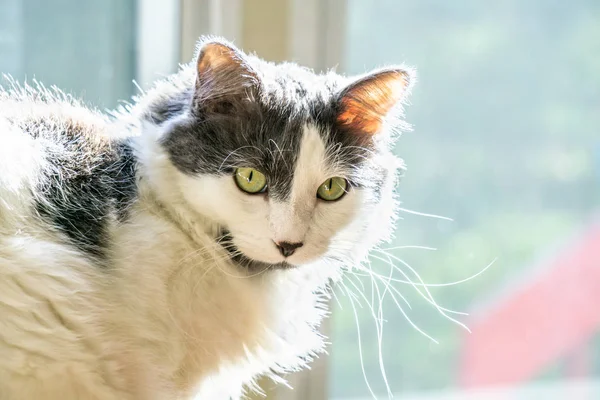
(132, 267)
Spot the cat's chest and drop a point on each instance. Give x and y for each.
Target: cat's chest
(204, 317)
(239, 328)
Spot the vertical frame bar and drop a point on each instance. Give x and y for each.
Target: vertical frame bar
(158, 37)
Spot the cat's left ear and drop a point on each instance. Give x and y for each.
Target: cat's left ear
(364, 105)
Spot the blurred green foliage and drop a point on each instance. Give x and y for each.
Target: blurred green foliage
(506, 116)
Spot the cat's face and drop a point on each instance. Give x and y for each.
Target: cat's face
(294, 167)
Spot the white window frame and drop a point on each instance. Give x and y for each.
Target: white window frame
(158, 39)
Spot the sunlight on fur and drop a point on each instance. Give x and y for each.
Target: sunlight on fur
(134, 264)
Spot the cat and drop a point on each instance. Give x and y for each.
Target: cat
(186, 244)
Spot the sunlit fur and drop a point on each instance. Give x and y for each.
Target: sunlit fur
(144, 296)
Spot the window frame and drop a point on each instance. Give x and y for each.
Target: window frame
(158, 39)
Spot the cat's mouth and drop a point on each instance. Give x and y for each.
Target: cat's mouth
(225, 239)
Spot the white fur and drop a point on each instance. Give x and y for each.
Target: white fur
(174, 317)
(257, 222)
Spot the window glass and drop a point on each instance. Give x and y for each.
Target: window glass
(506, 142)
(83, 47)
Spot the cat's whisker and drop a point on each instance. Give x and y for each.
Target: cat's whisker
(380, 330)
(218, 244)
(369, 305)
(422, 214)
(375, 288)
(234, 152)
(359, 341)
(380, 277)
(410, 321)
(200, 252)
(408, 282)
(409, 247)
(337, 300)
(449, 283)
(366, 150)
(429, 297)
(280, 153)
(395, 290)
(355, 297)
(378, 316)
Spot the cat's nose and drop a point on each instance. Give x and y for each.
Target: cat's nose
(287, 249)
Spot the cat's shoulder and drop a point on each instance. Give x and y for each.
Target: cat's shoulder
(62, 159)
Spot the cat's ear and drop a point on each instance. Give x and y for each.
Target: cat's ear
(224, 77)
(364, 105)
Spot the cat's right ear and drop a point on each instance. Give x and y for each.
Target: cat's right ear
(224, 78)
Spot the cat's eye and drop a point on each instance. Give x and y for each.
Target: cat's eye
(332, 189)
(250, 180)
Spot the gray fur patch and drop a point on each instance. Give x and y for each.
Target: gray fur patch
(81, 199)
(88, 185)
(262, 126)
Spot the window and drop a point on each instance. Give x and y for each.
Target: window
(505, 142)
(92, 49)
(85, 48)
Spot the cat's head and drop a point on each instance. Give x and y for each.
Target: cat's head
(293, 166)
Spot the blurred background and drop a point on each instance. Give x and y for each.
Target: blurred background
(506, 143)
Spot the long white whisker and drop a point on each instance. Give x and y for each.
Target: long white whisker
(434, 303)
(373, 283)
(395, 290)
(373, 274)
(362, 364)
(410, 321)
(337, 300)
(380, 336)
(429, 301)
(370, 305)
(428, 298)
(455, 282)
(409, 247)
(355, 297)
(422, 214)
(415, 326)
(442, 284)
(462, 280)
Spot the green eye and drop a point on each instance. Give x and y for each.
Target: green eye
(250, 180)
(332, 189)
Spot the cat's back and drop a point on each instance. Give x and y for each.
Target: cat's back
(47, 116)
(58, 162)
(58, 174)
(36, 126)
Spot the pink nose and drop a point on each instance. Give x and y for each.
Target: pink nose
(287, 249)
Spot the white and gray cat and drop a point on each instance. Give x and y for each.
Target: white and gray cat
(183, 246)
